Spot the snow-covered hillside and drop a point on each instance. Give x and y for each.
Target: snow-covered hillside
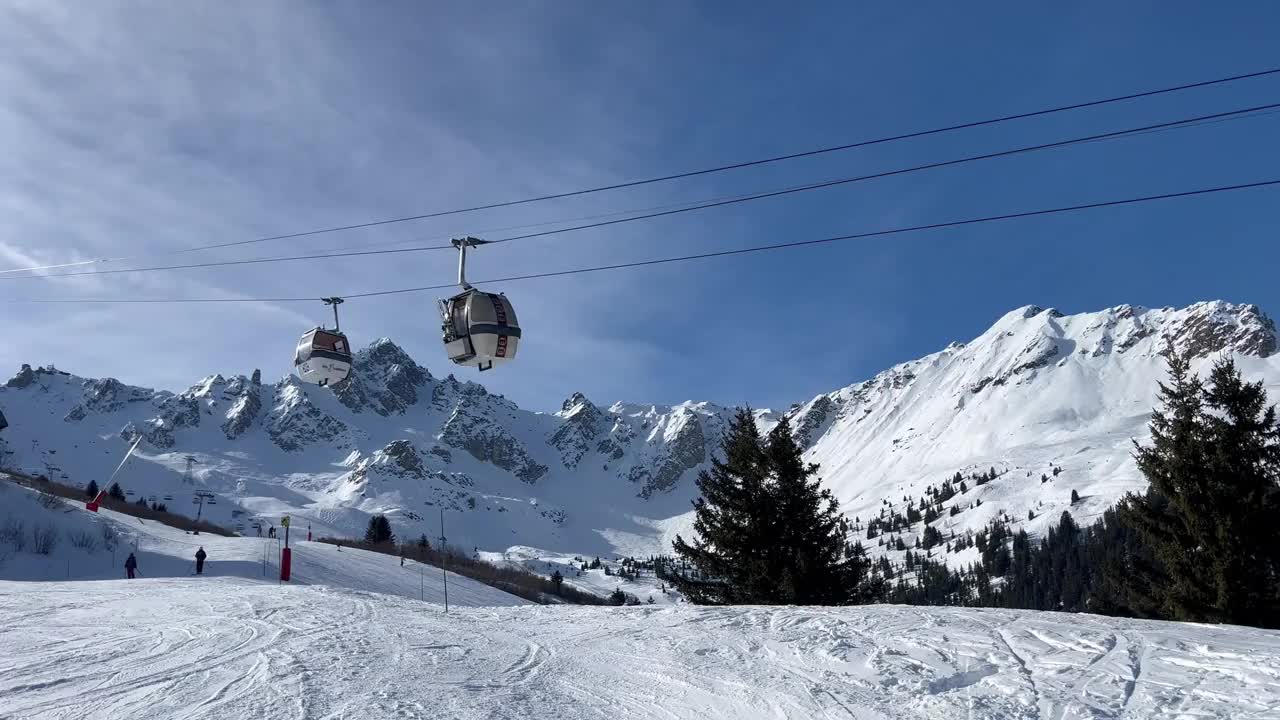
(1037, 391)
(226, 648)
(93, 546)
(1052, 403)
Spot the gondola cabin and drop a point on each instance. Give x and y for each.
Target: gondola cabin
(323, 357)
(480, 329)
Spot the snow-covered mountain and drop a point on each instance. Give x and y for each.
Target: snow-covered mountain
(1039, 391)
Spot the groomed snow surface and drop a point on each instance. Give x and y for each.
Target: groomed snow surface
(231, 648)
(351, 638)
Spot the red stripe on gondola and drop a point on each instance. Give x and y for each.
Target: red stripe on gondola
(500, 312)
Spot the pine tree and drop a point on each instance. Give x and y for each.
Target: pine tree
(768, 532)
(115, 492)
(557, 580)
(379, 531)
(1244, 475)
(1210, 516)
(1075, 496)
(733, 520)
(91, 490)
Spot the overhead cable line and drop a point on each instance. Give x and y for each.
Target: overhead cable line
(731, 200)
(682, 175)
(700, 256)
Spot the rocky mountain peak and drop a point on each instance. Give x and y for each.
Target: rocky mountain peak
(384, 353)
(383, 379)
(23, 378)
(573, 404)
(1209, 327)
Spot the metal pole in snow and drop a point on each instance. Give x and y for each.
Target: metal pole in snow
(444, 561)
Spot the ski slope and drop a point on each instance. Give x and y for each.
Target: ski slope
(229, 648)
(166, 552)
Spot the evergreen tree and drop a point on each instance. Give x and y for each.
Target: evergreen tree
(1244, 475)
(768, 532)
(557, 580)
(424, 545)
(732, 519)
(1075, 496)
(115, 492)
(379, 531)
(1210, 516)
(91, 490)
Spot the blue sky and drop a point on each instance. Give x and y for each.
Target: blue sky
(143, 127)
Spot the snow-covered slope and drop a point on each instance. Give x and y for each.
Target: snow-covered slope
(393, 439)
(89, 546)
(1037, 391)
(1051, 402)
(225, 648)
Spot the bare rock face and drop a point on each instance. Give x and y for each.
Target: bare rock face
(383, 379)
(294, 421)
(246, 404)
(104, 396)
(583, 423)
(404, 455)
(814, 419)
(1215, 326)
(473, 431)
(685, 451)
(176, 413)
(25, 377)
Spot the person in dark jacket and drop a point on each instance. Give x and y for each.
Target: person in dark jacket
(200, 556)
(130, 565)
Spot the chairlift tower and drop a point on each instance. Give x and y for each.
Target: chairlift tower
(188, 478)
(199, 500)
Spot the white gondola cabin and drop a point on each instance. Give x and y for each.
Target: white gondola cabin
(323, 357)
(480, 329)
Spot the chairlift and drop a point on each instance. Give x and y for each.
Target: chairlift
(323, 357)
(480, 329)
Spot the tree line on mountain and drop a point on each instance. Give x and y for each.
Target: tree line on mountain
(115, 492)
(1202, 543)
(379, 537)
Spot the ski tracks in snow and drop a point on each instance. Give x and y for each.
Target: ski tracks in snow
(230, 649)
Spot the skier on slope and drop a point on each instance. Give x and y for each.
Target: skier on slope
(200, 556)
(130, 565)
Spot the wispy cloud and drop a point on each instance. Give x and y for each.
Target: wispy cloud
(141, 128)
